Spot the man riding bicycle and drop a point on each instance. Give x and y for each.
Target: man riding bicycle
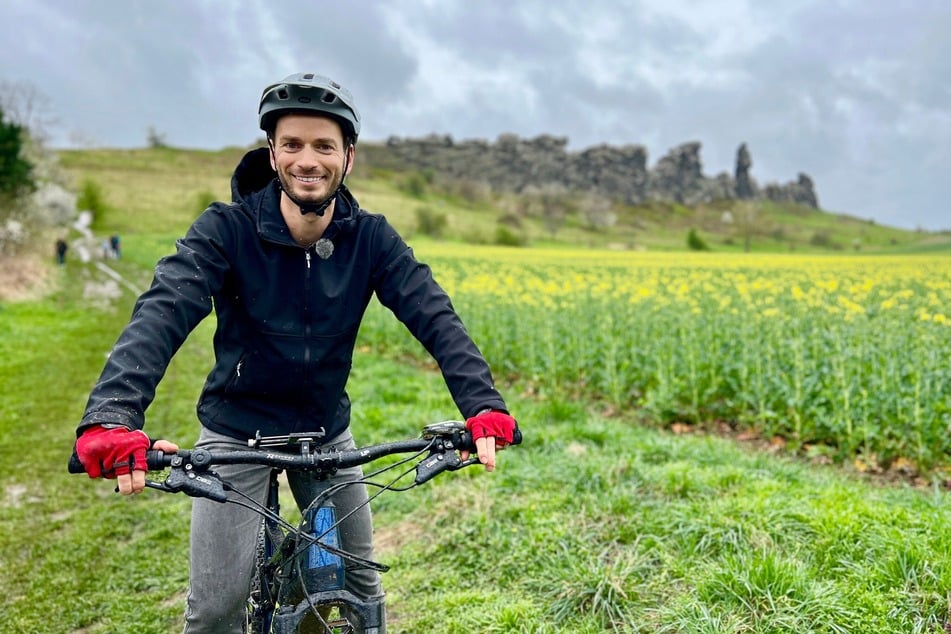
(289, 268)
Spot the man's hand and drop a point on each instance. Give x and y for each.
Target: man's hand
(117, 452)
(492, 430)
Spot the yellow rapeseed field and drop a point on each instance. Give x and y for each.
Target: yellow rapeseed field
(843, 353)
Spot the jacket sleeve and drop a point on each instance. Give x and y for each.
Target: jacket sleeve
(179, 297)
(406, 286)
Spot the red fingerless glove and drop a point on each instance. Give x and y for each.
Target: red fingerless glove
(109, 452)
(492, 423)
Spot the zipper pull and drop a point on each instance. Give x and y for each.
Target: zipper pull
(307, 256)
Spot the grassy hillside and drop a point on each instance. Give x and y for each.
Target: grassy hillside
(163, 189)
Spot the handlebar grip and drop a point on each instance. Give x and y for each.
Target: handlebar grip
(156, 461)
(75, 466)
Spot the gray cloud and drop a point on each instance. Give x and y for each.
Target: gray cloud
(852, 93)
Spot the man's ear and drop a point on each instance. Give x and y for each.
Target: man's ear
(351, 153)
(270, 154)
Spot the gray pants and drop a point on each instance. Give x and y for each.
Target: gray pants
(224, 536)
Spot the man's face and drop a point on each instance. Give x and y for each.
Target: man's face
(309, 156)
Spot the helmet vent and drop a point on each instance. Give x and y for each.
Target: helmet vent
(328, 97)
(309, 76)
(282, 93)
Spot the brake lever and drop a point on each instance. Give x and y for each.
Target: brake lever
(466, 463)
(161, 486)
(193, 484)
(436, 463)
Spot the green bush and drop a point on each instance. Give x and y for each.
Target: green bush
(509, 238)
(417, 183)
(695, 242)
(90, 198)
(431, 223)
(16, 173)
(823, 239)
(203, 200)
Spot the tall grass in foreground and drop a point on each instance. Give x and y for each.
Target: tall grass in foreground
(846, 355)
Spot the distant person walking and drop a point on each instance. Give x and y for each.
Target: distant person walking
(114, 244)
(61, 249)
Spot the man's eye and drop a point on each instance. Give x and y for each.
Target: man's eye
(292, 146)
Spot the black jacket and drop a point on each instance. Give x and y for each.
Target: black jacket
(287, 317)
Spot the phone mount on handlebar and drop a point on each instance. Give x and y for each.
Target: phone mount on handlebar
(303, 440)
(444, 429)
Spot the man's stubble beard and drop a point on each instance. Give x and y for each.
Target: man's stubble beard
(307, 198)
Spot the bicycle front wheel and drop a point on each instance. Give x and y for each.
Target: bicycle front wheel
(260, 601)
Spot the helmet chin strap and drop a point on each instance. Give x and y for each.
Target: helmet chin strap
(311, 207)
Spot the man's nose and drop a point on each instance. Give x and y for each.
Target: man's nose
(308, 158)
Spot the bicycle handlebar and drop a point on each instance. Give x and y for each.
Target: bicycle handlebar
(442, 439)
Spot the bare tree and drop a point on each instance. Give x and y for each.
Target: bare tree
(155, 139)
(746, 221)
(598, 211)
(25, 105)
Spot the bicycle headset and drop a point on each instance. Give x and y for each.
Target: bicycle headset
(308, 93)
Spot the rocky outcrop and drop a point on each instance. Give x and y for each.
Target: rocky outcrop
(745, 187)
(616, 172)
(678, 176)
(801, 191)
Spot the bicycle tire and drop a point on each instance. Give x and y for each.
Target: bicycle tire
(259, 615)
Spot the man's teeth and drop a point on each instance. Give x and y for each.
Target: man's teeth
(307, 179)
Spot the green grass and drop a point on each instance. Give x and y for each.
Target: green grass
(595, 524)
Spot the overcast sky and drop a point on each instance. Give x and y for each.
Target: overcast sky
(857, 94)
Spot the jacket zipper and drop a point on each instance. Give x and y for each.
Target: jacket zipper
(306, 316)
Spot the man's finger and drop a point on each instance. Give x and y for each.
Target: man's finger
(124, 482)
(486, 449)
(165, 445)
(138, 481)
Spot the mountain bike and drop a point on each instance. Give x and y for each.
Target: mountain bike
(298, 580)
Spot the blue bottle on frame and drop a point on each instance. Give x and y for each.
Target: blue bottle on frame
(325, 570)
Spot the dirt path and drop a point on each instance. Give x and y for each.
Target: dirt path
(24, 277)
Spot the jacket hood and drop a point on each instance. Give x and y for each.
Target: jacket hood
(254, 175)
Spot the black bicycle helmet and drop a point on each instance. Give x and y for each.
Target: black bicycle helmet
(309, 93)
